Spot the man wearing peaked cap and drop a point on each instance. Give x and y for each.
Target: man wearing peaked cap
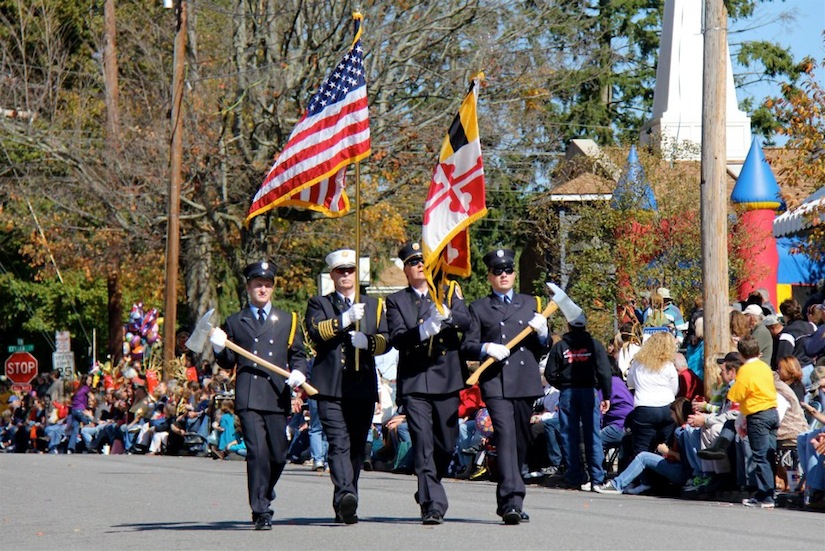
(510, 385)
(347, 390)
(430, 376)
(264, 270)
(262, 398)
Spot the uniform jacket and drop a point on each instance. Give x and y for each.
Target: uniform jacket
(279, 341)
(333, 370)
(434, 365)
(493, 321)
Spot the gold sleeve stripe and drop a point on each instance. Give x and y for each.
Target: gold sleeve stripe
(378, 312)
(327, 329)
(380, 345)
(538, 304)
(293, 329)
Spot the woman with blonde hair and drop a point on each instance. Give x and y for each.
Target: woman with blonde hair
(653, 375)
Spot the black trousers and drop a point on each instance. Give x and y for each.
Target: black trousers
(433, 423)
(346, 424)
(511, 429)
(265, 435)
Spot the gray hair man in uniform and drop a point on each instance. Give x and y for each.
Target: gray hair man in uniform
(347, 391)
(262, 398)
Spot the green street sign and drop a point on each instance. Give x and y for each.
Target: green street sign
(20, 348)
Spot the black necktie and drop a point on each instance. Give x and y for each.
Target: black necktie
(505, 299)
(261, 316)
(347, 303)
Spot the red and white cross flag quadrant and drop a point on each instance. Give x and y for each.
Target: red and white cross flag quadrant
(457, 194)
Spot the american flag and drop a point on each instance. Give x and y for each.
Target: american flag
(456, 198)
(333, 133)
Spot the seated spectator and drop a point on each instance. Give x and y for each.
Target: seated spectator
(690, 385)
(790, 373)
(715, 421)
(613, 421)
(695, 350)
(793, 337)
(811, 451)
(626, 347)
(666, 462)
(226, 427)
(754, 315)
(468, 443)
(160, 434)
(545, 454)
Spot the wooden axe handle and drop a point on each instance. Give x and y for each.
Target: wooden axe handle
(473, 378)
(308, 388)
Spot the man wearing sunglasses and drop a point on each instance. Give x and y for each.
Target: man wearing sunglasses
(511, 385)
(430, 376)
(347, 391)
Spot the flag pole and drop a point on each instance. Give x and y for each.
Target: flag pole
(357, 253)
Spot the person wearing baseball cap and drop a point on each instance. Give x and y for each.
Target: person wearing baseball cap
(513, 382)
(347, 385)
(430, 376)
(262, 399)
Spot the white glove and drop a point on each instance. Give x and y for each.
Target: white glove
(296, 378)
(218, 340)
(497, 351)
(435, 314)
(539, 323)
(359, 340)
(429, 328)
(355, 313)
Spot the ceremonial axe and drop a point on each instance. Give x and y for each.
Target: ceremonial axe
(560, 301)
(204, 329)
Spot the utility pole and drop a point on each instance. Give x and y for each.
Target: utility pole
(714, 189)
(114, 340)
(173, 219)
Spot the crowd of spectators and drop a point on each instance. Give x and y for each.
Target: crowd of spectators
(661, 433)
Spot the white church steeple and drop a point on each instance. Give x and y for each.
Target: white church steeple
(677, 100)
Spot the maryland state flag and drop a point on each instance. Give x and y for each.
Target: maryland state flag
(456, 199)
(333, 133)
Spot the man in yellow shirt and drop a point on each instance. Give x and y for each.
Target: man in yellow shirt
(756, 394)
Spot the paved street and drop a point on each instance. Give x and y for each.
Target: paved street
(137, 502)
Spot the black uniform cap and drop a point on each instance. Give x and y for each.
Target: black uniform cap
(500, 258)
(263, 269)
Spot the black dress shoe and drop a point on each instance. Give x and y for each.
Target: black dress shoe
(263, 522)
(511, 516)
(347, 508)
(433, 518)
(340, 520)
(525, 517)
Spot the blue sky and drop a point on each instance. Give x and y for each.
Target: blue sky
(801, 30)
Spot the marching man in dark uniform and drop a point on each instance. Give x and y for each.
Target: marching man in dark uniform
(347, 391)
(262, 398)
(430, 376)
(510, 386)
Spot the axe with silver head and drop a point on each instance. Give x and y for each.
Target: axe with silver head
(204, 329)
(560, 301)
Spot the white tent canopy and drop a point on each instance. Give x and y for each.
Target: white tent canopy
(799, 219)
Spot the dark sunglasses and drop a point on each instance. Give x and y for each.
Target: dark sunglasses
(499, 271)
(414, 262)
(347, 270)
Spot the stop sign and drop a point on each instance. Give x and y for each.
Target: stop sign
(21, 368)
